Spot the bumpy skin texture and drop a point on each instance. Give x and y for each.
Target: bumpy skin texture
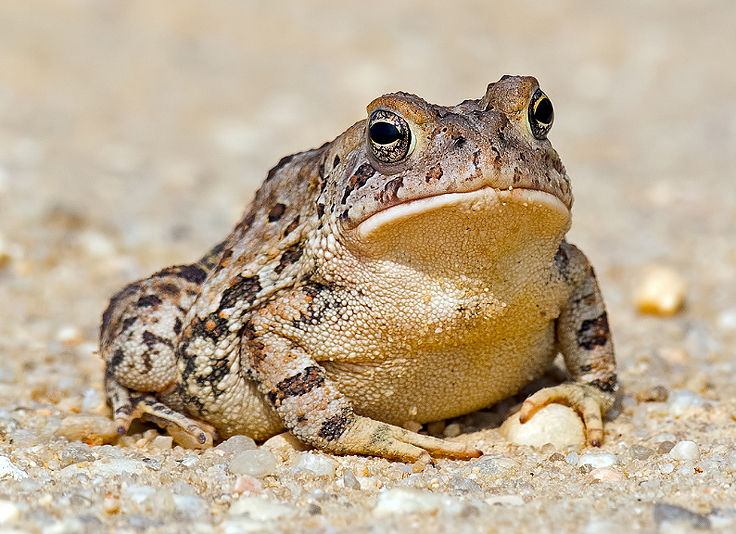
(366, 288)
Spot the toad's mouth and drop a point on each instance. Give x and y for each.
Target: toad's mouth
(464, 230)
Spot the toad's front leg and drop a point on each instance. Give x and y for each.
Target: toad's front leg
(585, 341)
(313, 409)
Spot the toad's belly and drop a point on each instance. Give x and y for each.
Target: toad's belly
(434, 385)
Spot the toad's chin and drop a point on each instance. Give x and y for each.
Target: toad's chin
(467, 233)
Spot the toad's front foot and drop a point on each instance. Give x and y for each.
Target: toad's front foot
(371, 437)
(590, 402)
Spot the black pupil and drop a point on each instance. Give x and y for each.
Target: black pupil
(543, 111)
(384, 133)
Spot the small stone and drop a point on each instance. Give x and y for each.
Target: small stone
(115, 466)
(505, 500)
(9, 470)
(319, 464)
(436, 428)
(572, 458)
(8, 512)
(655, 394)
(247, 484)
(463, 484)
(452, 430)
(406, 500)
(638, 452)
(161, 501)
(75, 453)
(237, 444)
(665, 446)
(110, 504)
(496, 465)
(260, 509)
(661, 291)
(255, 463)
(597, 461)
(670, 513)
(556, 424)
(163, 443)
(685, 450)
(412, 426)
(349, 480)
(88, 429)
(284, 445)
(607, 475)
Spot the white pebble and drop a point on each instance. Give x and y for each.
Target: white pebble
(237, 444)
(607, 475)
(259, 509)
(661, 291)
(319, 464)
(255, 463)
(162, 442)
(556, 424)
(495, 465)
(598, 461)
(407, 500)
(8, 512)
(9, 470)
(685, 450)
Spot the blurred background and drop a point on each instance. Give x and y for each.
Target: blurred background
(134, 133)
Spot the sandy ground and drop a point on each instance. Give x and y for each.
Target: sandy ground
(132, 135)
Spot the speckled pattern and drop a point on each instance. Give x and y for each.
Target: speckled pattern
(132, 136)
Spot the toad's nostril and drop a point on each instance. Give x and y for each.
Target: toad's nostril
(459, 141)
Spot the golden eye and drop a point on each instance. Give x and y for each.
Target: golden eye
(541, 114)
(390, 136)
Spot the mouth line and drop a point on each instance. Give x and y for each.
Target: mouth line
(534, 197)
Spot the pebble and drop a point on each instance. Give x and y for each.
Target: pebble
(160, 501)
(653, 394)
(88, 429)
(319, 464)
(349, 480)
(685, 450)
(556, 424)
(406, 500)
(670, 513)
(236, 444)
(260, 509)
(684, 401)
(284, 445)
(639, 452)
(505, 500)
(115, 466)
(8, 512)
(661, 291)
(598, 460)
(248, 484)
(162, 442)
(607, 475)
(256, 463)
(496, 465)
(9, 470)
(74, 453)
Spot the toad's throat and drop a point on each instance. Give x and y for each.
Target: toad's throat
(466, 233)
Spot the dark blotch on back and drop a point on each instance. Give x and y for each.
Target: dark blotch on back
(148, 301)
(283, 161)
(594, 332)
(290, 256)
(243, 289)
(276, 212)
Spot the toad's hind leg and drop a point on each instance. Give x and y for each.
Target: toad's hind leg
(140, 330)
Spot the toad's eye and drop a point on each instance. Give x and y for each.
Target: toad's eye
(541, 114)
(390, 136)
